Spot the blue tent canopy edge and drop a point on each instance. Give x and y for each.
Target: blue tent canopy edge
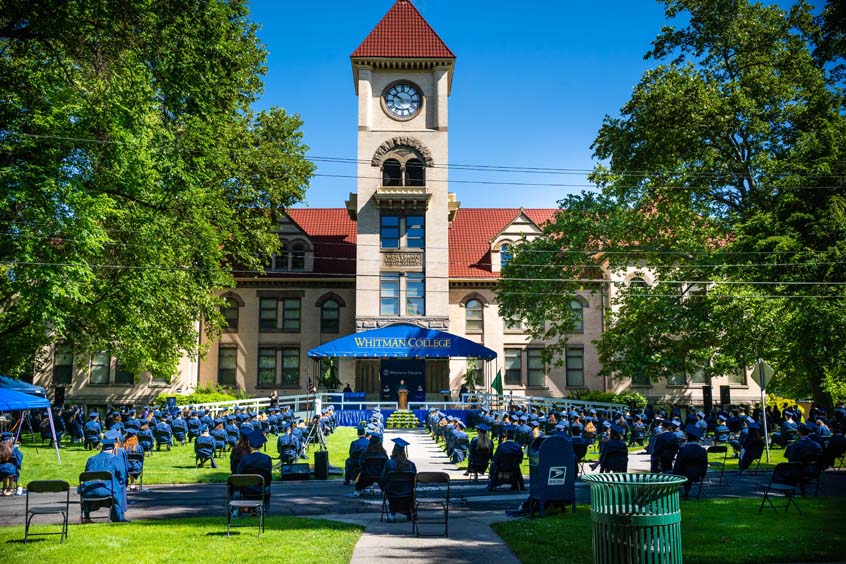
(402, 340)
(11, 400)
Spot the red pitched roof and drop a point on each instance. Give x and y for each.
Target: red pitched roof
(333, 234)
(470, 237)
(403, 33)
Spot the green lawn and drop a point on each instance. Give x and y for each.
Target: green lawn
(719, 530)
(286, 539)
(163, 467)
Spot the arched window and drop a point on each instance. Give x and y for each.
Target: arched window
(473, 315)
(578, 309)
(415, 173)
(391, 173)
(330, 315)
(298, 257)
(505, 255)
(638, 283)
(230, 313)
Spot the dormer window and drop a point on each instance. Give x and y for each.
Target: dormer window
(292, 257)
(505, 255)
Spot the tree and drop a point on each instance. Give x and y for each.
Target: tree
(724, 181)
(135, 176)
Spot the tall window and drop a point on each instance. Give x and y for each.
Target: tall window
(575, 367)
(390, 294)
(513, 324)
(578, 309)
(266, 367)
(676, 379)
(390, 231)
(230, 313)
(738, 377)
(640, 379)
(100, 365)
(62, 366)
(698, 376)
(415, 232)
(281, 259)
(298, 257)
(123, 376)
(227, 365)
(473, 315)
(505, 255)
(535, 368)
(415, 294)
(291, 314)
(290, 367)
(513, 367)
(330, 314)
(268, 313)
(391, 173)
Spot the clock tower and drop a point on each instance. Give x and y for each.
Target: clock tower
(403, 76)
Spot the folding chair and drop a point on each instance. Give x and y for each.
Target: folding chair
(372, 471)
(718, 449)
(478, 463)
(439, 502)
(398, 487)
(784, 481)
(47, 487)
(812, 469)
(239, 482)
(508, 472)
(139, 476)
(106, 479)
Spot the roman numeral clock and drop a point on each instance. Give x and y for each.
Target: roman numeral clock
(402, 100)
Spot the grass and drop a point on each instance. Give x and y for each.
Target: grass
(720, 530)
(286, 539)
(163, 467)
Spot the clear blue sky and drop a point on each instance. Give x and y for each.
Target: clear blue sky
(533, 81)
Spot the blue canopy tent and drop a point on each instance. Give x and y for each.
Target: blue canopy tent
(11, 400)
(21, 386)
(402, 340)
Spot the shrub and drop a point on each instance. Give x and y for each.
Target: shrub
(633, 399)
(209, 394)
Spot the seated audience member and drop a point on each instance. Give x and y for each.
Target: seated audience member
(399, 497)
(664, 449)
(204, 447)
(374, 456)
(179, 428)
(692, 459)
(93, 430)
(351, 465)
(255, 462)
(481, 450)
(836, 446)
(134, 467)
(751, 445)
(614, 456)
(507, 457)
(238, 452)
(11, 460)
(164, 434)
(108, 460)
(218, 433)
(805, 451)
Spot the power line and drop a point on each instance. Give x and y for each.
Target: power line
(456, 166)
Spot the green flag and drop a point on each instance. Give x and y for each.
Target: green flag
(497, 382)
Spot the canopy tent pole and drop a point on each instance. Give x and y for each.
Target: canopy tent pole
(53, 431)
(19, 425)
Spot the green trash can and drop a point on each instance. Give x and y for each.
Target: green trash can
(636, 518)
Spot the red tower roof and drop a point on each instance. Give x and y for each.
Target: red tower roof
(403, 33)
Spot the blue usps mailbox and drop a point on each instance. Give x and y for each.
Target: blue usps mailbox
(552, 473)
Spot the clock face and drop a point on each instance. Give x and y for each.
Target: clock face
(402, 100)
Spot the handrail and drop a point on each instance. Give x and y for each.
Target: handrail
(488, 399)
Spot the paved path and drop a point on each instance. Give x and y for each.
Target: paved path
(473, 510)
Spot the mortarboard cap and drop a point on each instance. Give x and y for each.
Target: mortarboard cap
(256, 439)
(617, 429)
(399, 441)
(693, 431)
(482, 427)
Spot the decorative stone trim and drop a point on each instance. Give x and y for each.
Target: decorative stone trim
(403, 141)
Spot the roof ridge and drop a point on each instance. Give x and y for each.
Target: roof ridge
(403, 33)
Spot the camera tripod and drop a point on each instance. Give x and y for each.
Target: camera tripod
(315, 433)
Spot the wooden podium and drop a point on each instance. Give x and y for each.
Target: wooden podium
(402, 399)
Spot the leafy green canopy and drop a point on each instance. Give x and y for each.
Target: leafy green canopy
(134, 175)
(722, 186)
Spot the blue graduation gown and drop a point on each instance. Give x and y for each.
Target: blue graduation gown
(106, 461)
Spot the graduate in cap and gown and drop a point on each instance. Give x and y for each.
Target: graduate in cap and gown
(692, 459)
(108, 460)
(256, 462)
(399, 496)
